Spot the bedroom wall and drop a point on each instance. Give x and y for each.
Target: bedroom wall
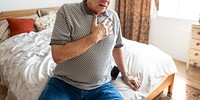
(172, 35)
(6, 5)
(171, 26)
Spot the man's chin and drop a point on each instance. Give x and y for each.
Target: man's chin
(100, 12)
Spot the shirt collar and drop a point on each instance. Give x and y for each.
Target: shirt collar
(87, 11)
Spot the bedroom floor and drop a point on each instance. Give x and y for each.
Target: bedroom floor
(182, 78)
(190, 78)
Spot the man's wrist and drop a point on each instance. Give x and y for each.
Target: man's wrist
(94, 38)
(125, 75)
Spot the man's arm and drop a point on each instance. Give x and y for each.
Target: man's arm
(73, 49)
(133, 82)
(70, 50)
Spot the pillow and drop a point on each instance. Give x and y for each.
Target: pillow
(19, 25)
(33, 16)
(42, 12)
(46, 21)
(3, 22)
(5, 35)
(4, 30)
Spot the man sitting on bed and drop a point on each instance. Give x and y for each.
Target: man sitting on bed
(85, 38)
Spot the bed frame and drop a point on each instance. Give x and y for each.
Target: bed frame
(167, 83)
(19, 13)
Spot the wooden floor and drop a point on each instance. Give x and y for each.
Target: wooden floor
(192, 78)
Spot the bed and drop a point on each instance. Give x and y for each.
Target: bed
(26, 63)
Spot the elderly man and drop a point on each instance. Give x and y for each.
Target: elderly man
(85, 38)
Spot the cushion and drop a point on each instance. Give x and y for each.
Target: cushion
(34, 16)
(46, 21)
(6, 35)
(3, 22)
(4, 30)
(20, 25)
(43, 12)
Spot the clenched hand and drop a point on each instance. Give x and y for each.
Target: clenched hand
(132, 82)
(101, 30)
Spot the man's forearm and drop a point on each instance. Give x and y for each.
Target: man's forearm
(132, 82)
(119, 59)
(72, 49)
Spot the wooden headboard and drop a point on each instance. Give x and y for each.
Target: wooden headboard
(19, 13)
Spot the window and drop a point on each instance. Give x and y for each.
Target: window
(183, 9)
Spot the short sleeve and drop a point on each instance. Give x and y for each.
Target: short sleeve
(62, 28)
(119, 42)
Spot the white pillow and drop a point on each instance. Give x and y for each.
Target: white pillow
(43, 12)
(46, 21)
(4, 30)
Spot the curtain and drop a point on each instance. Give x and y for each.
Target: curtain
(134, 18)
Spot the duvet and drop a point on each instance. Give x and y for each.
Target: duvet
(26, 65)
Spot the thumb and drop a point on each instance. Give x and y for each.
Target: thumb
(94, 22)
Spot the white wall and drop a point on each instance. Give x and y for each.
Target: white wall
(171, 35)
(6, 5)
(172, 32)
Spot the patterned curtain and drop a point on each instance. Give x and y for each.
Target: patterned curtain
(135, 19)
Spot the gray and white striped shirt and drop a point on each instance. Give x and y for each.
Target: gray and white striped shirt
(92, 68)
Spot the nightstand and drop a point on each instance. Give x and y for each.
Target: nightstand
(194, 51)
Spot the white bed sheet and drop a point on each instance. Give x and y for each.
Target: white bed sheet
(26, 65)
(150, 64)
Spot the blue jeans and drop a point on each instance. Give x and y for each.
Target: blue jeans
(57, 89)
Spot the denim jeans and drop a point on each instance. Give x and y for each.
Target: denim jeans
(57, 89)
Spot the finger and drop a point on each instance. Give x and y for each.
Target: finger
(109, 23)
(137, 87)
(132, 86)
(94, 21)
(139, 84)
(110, 29)
(135, 83)
(105, 22)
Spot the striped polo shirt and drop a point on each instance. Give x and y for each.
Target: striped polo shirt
(92, 68)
